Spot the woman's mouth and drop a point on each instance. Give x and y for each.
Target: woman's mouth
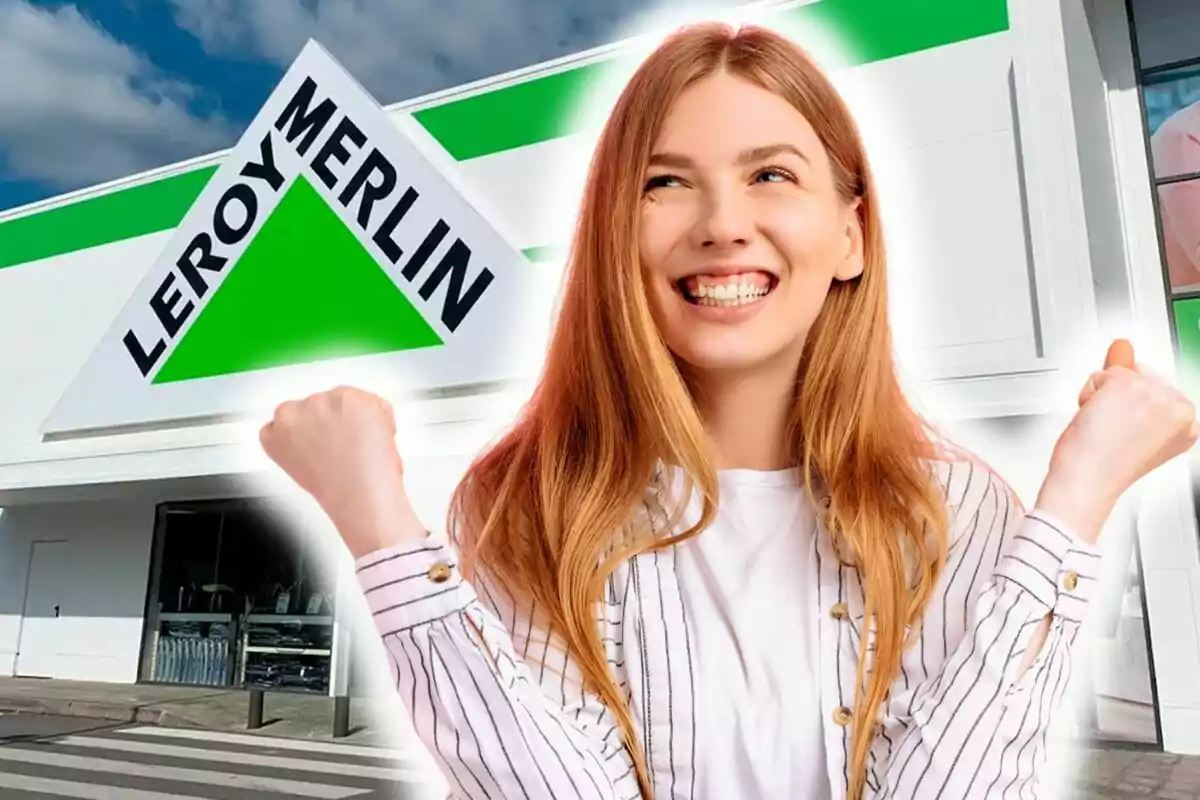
(727, 291)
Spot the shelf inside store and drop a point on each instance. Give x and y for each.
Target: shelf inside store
(287, 619)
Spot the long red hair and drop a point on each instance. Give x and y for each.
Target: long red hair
(543, 510)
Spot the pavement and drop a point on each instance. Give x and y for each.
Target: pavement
(1113, 774)
(43, 756)
(292, 719)
(285, 714)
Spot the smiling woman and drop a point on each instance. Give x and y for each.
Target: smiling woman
(719, 555)
(744, 232)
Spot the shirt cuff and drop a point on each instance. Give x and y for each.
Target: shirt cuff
(413, 584)
(1049, 560)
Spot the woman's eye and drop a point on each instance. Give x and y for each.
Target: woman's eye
(661, 181)
(774, 175)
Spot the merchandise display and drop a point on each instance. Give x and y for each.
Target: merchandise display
(193, 660)
(276, 671)
(287, 651)
(289, 632)
(193, 649)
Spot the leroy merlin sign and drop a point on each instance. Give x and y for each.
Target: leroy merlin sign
(326, 234)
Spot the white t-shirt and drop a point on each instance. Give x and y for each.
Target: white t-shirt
(749, 590)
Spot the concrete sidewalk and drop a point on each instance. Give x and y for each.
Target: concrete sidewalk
(1106, 774)
(285, 714)
(1129, 774)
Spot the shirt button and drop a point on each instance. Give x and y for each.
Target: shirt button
(842, 716)
(839, 611)
(1070, 581)
(439, 572)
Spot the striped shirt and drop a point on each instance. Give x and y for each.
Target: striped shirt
(502, 709)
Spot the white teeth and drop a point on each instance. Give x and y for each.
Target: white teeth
(731, 296)
(736, 301)
(726, 294)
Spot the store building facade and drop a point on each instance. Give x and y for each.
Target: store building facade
(1014, 142)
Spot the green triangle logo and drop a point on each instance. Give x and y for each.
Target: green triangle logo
(304, 290)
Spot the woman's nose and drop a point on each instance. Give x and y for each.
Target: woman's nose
(724, 221)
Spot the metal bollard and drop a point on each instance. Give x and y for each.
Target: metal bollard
(256, 709)
(341, 716)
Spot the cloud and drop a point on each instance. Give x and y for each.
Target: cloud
(78, 107)
(400, 50)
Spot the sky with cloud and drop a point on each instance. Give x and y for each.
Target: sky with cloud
(100, 89)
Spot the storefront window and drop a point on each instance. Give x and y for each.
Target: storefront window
(238, 602)
(1167, 34)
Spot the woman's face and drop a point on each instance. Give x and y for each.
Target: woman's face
(742, 231)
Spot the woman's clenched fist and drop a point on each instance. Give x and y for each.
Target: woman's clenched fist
(340, 447)
(1129, 423)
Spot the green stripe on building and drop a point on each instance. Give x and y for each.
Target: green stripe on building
(123, 214)
(873, 30)
(515, 116)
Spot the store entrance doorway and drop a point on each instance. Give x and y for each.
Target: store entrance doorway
(47, 587)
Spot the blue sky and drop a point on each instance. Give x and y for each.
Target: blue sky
(100, 89)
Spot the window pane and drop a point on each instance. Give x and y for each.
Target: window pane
(1173, 118)
(1179, 210)
(1187, 329)
(191, 632)
(189, 561)
(1167, 31)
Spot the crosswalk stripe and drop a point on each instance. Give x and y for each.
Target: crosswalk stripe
(82, 791)
(229, 757)
(254, 740)
(135, 769)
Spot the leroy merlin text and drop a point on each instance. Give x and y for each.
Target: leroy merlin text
(375, 189)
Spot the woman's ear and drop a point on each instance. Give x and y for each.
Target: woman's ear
(851, 264)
